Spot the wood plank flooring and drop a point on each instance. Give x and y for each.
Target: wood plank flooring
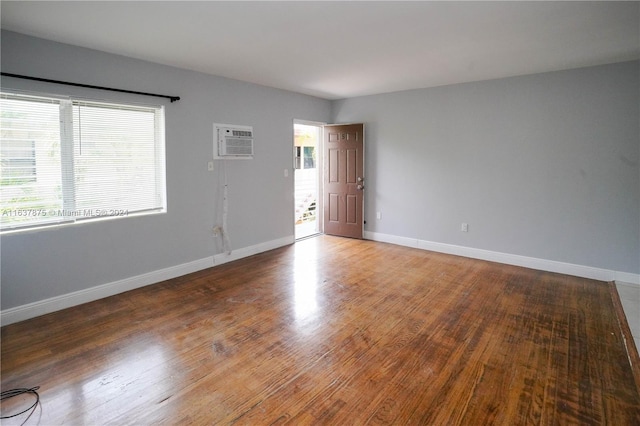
(333, 331)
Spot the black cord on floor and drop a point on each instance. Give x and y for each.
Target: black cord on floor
(20, 391)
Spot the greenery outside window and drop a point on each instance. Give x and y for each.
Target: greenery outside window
(309, 157)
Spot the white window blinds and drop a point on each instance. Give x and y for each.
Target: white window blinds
(65, 160)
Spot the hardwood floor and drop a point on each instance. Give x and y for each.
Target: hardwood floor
(333, 331)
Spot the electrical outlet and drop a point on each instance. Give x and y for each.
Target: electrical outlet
(378, 215)
(210, 166)
(464, 227)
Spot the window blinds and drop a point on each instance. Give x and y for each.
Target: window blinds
(67, 160)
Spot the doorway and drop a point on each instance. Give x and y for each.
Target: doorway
(307, 165)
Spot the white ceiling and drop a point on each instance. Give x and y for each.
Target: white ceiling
(343, 49)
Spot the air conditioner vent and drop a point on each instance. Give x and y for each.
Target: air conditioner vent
(232, 142)
(238, 146)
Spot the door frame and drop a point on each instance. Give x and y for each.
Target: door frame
(319, 169)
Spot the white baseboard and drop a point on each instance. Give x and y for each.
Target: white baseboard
(219, 259)
(509, 259)
(627, 278)
(42, 307)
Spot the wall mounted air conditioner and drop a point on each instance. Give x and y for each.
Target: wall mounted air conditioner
(232, 142)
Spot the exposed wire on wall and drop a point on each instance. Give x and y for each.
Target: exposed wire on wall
(17, 392)
(222, 230)
(226, 244)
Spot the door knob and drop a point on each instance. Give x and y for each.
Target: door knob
(360, 187)
(360, 179)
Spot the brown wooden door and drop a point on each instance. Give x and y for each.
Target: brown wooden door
(344, 180)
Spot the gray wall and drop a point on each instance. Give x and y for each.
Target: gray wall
(544, 165)
(43, 264)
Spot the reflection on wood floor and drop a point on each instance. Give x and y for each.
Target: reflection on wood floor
(333, 331)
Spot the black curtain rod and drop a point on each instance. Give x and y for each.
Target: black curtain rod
(46, 80)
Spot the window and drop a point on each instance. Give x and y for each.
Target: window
(309, 157)
(66, 160)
